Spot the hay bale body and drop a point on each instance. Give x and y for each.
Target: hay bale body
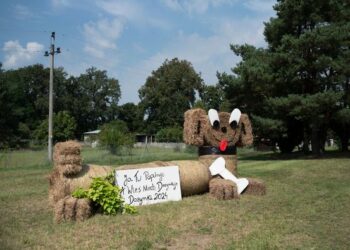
(194, 175)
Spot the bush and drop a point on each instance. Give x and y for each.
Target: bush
(170, 134)
(115, 135)
(106, 195)
(64, 126)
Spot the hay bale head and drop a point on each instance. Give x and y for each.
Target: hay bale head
(199, 131)
(67, 158)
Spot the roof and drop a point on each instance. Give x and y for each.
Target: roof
(94, 132)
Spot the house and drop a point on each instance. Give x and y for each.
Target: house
(91, 138)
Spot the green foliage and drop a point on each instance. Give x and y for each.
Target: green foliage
(80, 193)
(168, 93)
(64, 126)
(302, 79)
(132, 115)
(115, 135)
(170, 134)
(106, 195)
(91, 99)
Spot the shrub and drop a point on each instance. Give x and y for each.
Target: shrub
(64, 126)
(105, 195)
(115, 135)
(170, 134)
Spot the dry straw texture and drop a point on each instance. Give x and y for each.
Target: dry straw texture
(68, 175)
(72, 209)
(255, 187)
(223, 189)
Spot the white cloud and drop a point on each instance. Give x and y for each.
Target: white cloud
(208, 54)
(195, 6)
(101, 36)
(16, 55)
(260, 5)
(22, 12)
(60, 3)
(120, 8)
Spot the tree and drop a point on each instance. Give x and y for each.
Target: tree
(92, 99)
(304, 77)
(132, 115)
(63, 130)
(170, 134)
(115, 135)
(168, 93)
(212, 97)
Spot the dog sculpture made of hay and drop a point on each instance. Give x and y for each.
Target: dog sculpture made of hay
(69, 174)
(214, 139)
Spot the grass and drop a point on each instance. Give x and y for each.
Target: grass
(307, 207)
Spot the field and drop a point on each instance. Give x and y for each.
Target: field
(307, 207)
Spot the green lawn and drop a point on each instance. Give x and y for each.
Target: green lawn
(307, 206)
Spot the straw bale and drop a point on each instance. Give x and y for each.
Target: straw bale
(246, 135)
(194, 175)
(69, 208)
(69, 169)
(67, 159)
(230, 161)
(223, 189)
(67, 148)
(195, 120)
(255, 187)
(83, 210)
(84, 178)
(59, 210)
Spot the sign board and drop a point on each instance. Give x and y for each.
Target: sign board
(149, 185)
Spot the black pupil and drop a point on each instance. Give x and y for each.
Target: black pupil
(233, 124)
(216, 124)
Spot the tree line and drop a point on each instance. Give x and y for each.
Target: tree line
(296, 90)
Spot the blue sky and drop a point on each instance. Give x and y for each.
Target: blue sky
(130, 38)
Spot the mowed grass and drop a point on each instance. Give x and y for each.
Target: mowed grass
(306, 207)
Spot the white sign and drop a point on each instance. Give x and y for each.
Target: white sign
(149, 185)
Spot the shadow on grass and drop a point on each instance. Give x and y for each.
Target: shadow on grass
(270, 156)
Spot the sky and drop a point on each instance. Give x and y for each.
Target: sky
(131, 38)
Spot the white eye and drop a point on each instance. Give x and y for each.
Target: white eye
(214, 118)
(234, 118)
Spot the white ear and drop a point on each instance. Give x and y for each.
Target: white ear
(213, 118)
(234, 117)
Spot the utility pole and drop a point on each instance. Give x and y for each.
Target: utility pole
(52, 53)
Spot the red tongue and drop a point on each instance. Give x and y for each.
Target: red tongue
(223, 145)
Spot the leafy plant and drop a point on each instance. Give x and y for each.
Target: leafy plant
(105, 194)
(114, 135)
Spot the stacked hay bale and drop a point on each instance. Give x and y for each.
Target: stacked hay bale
(69, 174)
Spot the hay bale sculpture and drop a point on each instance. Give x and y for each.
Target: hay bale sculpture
(216, 134)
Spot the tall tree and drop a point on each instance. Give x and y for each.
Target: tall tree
(92, 99)
(132, 115)
(168, 93)
(308, 47)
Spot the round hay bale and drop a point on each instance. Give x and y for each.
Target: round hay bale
(194, 175)
(223, 189)
(230, 161)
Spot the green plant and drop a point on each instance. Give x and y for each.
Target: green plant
(169, 134)
(114, 135)
(105, 194)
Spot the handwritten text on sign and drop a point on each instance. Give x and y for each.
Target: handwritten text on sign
(149, 185)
